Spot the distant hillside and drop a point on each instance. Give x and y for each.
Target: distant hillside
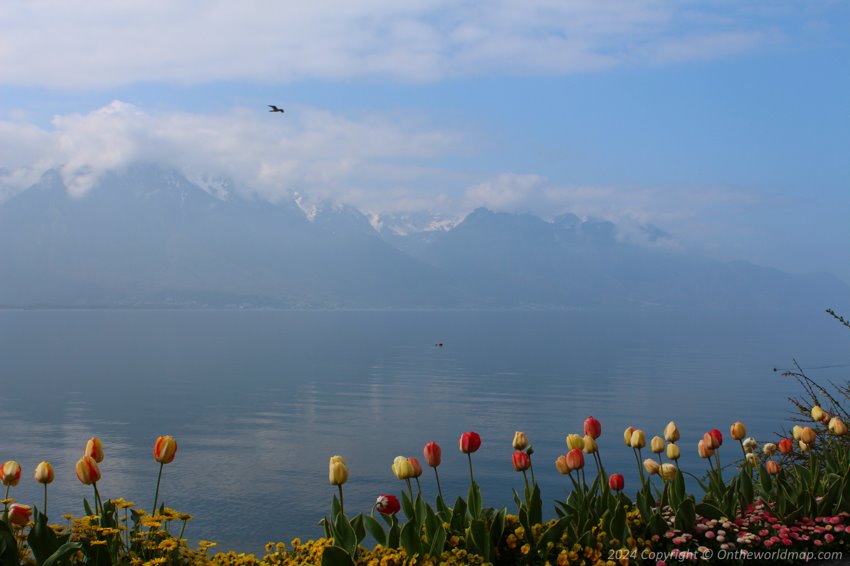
(149, 237)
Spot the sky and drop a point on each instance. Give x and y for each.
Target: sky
(726, 124)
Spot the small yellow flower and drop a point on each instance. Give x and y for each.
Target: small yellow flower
(168, 545)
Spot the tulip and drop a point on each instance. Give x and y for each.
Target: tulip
(164, 449)
(772, 467)
(44, 475)
(804, 446)
(387, 504)
(616, 482)
(673, 451)
(338, 470)
(94, 449)
(20, 514)
(417, 467)
(10, 472)
(590, 446)
(807, 435)
(668, 472)
(671, 432)
(575, 441)
(750, 444)
(521, 461)
(795, 432)
(433, 456)
(703, 450)
(87, 471)
(592, 428)
(657, 445)
(769, 449)
(575, 459)
(738, 431)
(786, 446)
(837, 426)
(752, 459)
(817, 413)
(562, 465)
(651, 466)
(716, 438)
(627, 436)
(469, 442)
(520, 441)
(402, 468)
(638, 439)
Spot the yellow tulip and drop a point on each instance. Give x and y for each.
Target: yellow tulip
(808, 435)
(668, 472)
(703, 450)
(817, 413)
(651, 466)
(44, 473)
(837, 426)
(338, 470)
(10, 473)
(672, 451)
(627, 436)
(657, 444)
(164, 449)
(94, 449)
(575, 441)
(590, 446)
(520, 441)
(671, 432)
(795, 432)
(562, 465)
(87, 470)
(769, 449)
(402, 468)
(738, 431)
(638, 439)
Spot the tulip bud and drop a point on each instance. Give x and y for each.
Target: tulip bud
(627, 436)
(520, 441)
(417, 467)
(19, 514)
(769, 449)
(575, 441)
(10, 473)
(338, 470)
(786, 446)
(87, 470)
(738, 431)
(795, 432)
(521, 461)
(716, 438)
(673, 451)
(837, 426)
(387, 504)
(750, 444)
(164, 449)
(752, 459)
(592, 428)
(590, 446)
(651, 466)
(804, 446)
(616, 482)
(657, 444)
(469, 442)
(703, 450)
(44, 473)
(668, 472)
(671, 432)
(94, 449)
(808, 435)
(772, 467)
(638, 439)
(402, 468)
(562, 465)
(575, 459)
(433, 454)
(817, 413)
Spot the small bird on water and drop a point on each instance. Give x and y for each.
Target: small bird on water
(274, 108)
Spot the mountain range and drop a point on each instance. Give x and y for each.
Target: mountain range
(148, 237)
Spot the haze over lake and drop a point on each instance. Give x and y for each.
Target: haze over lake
(259, 400)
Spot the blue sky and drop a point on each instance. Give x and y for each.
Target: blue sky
(725, 123)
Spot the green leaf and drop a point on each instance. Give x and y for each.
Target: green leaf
(458, 521)
(474, 499)
(359, 529)
(410, 540)
(335, 556)
(497, 526)
(432, 523)
(617, 521)
(438, 543)
(535, 506)
(407, 506)
(8, 546)
(686, 516)
(87, 507)
(709, 511)
(478, 537)
(375, 529)
(335, 508)
(393, 537)
(825, 505)
(443, 510)
(344, 535)
(42, 539)
(61, 553)
(552, 534)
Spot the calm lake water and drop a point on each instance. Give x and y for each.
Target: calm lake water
(258, 401)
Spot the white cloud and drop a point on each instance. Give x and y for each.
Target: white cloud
(105, 43)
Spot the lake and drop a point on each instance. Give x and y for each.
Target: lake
(259, 400)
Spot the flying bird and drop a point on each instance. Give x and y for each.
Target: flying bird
(274, 108)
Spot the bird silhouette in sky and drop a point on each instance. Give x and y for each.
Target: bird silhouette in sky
(275, 108)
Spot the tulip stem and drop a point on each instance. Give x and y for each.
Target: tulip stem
(6, 503)
(44, 511)
(341, 505)
(439, 489)
(527, 490)
(719, 469)
(640, 468)
(531, 467)
(98, 506)
(471, 479)
(409, 489)
(156, 496)
(418, 487)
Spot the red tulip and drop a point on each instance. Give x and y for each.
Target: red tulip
(713, 439)
(433, 454)
(469, 442)
(592, 427)
(19, 514)
(164, 449)
(786, 446)
(10, 473)
(772, 467)
(387, 504)
(616, 482)
(521, 461)
(575, 459)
